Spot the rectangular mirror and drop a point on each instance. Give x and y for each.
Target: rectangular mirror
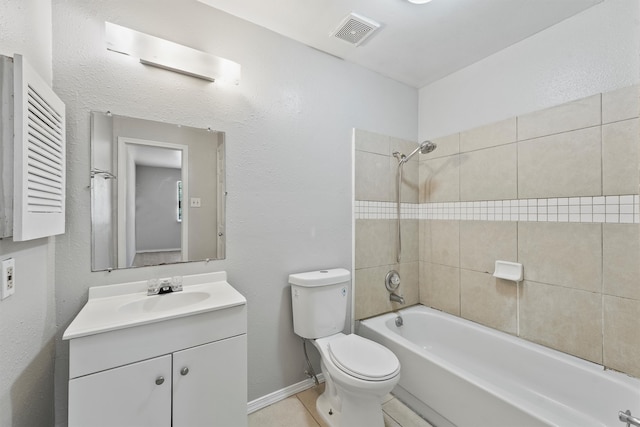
(157, 193)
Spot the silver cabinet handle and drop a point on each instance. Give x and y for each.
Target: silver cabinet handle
(184, 371)
(159, 380)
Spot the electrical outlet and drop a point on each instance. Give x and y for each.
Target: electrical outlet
(8, 278)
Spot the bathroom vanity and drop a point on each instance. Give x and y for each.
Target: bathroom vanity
(177, 359)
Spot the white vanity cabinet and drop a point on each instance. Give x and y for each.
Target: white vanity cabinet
(133, 395)
(213, 392)
(181, 371)
(200, 386)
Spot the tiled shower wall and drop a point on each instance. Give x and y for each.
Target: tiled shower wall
(555, 190)
(376, 235)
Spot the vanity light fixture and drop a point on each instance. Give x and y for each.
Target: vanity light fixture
(418, 1)
(161, 53)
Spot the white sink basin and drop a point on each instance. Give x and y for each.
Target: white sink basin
(125, 305)
(164, 302)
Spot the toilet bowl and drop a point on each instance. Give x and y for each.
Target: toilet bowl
(358, 374)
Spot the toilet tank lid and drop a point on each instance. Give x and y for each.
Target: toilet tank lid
(320, 277)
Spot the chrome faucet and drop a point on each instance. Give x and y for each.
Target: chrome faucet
(396, 298)
(164, 286)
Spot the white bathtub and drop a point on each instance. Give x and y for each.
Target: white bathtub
(458, 373)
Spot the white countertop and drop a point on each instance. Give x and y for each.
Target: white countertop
(110, 307)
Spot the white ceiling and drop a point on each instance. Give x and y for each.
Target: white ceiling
(416, 44)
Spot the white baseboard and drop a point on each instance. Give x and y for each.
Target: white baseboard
(278, 395)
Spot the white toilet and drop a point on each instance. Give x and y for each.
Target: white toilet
(358, 372)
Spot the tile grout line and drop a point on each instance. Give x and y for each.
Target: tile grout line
(308, 411)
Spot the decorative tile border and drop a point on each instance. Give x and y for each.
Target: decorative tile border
(599, 209)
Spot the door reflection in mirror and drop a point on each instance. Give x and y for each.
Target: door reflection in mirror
(157, 193)
(149, 232)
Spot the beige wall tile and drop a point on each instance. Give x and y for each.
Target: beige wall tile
(447, 146)
(410, 180)
(425, 240)
(373, 177)
(440, 287)
(372, 142)
(621, 104)
(489, 174)
(445, 243)
(621, 260)
(620, 157)
(440, 180)
(489, 301)
(410, 239)
(499, 133)
(566, 319)
(622, 335)
(403, 146)
(570, 116)
(562, 254)
(484, 242)
(564, 165)
(409, 284)
(374, 243)
(372, 297)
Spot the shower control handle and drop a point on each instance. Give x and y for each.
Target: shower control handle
(392, 280)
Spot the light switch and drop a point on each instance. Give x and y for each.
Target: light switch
(195, 202)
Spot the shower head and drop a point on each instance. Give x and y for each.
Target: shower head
(424, 148)
(427, 147)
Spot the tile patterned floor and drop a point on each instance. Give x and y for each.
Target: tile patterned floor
(300, 411)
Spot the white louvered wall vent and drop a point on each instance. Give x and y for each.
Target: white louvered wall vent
(39, 156)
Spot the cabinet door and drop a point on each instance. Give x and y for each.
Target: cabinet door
(214, 390)
(128, 396)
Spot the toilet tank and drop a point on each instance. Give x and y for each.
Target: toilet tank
(319, 300)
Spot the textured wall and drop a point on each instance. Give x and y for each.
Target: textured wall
(27, 319)
(592, 52)
(288, 138)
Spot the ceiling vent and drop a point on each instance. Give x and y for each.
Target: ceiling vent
(355, 29)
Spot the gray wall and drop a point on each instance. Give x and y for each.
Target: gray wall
(593, 52)
(203, 180)
(288, 139)
(27, 319)
(157, 226)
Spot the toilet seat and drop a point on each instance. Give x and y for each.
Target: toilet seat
(362, 358)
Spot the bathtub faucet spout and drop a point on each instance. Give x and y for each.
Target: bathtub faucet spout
(396, 298)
